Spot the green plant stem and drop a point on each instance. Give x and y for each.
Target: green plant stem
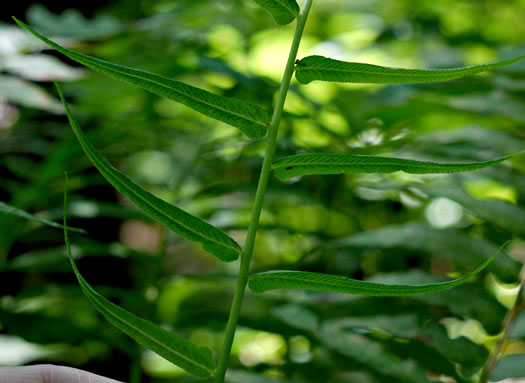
(259, 198)
(507, 324)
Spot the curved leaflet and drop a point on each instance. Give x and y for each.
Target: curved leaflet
(321, 68)
(283, 11)
(307, 164)
(195, 359)
(251, 119)
(186, 225)
(272, 280)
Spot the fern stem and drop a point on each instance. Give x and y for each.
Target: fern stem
(259, 198)
(507, 325)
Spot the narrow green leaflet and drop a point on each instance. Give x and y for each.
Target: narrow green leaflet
(195, 359)
(251, 119)
(321, 68)
(271, 280)
(4, 208)
(283, 11)
(186, 225)
(306, 164)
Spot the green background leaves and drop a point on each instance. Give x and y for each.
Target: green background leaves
(6, 209)
(387, 228)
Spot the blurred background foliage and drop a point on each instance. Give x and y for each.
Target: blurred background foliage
(393, 228)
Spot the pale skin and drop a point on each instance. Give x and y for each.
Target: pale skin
(48, 373)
